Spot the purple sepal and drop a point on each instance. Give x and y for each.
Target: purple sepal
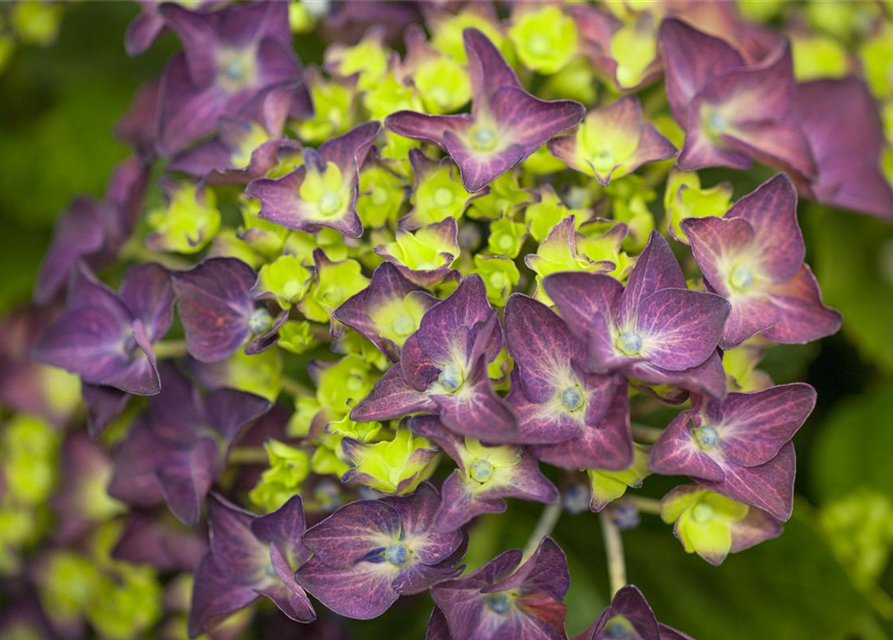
(630, 615)
(107, 338)
(369, 553)
(103, 404)
(159, 541)
(506, 123)
(280, 198)
(502, 601)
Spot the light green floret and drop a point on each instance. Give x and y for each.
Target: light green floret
(406, 460)
(188, 222)
(368, 59)
(500, 276)
(443, 84)
(335, 282)
(506, 237)
(381, 196)
(438, 196)
(388, 96)
(685, 198)
(333, 111)
(287, 278)
(288, 468)
(704, 521)
(545, 39)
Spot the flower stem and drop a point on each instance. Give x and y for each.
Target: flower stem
(645, 433)
(248, 455)
(614, 551)
(295, 388)
(543, 528)
(169, 349)
(646, 505)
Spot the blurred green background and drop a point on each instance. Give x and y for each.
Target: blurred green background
(827, 577)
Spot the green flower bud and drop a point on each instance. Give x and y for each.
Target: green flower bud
(393, 466)
(818, 57)
(335, 282)
(443, 84)
(704, 521)
(368, 60)
(287, 278)
(381, 196)
(390, 95)
(297, 337)
(439, 195)
(546, 39)
(29, 459)
(333, 109)
(346, 382)
(505, 197)
(506, 237)
(607, 486)
(500, 276)
(684, 198)
(188, 222)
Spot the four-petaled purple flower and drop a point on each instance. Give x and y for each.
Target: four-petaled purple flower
(323, 191)
(579, 420)
(230, 56)
(741, 446)
(443, 369)
(107, 337)
(178, 448)
(732, 112)
(505, 126)
(220, 311)
(486, 475)
(505, 601)
(249, 556)
(370, 552)
(629, 617)
(753, 257)
(654, 330)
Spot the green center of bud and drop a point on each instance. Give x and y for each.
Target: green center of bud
(443, 197)
(329, 204)
(497, 280)
(706, 437)
(499, 603)
(379, 196)
(335, 296)
(481, 470)
(440, 95)
(483, 139)
(235, 70)
(702, 513)
(505, 242)
(741, 278)
(355, 383)
(260, 321)
(572, 398)
(603, 160)
(538, 44)
(451, 378)
(397, 554)
(403, 325)
(629, 343)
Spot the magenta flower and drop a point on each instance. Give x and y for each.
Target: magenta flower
(753, 257)
(505, 126)
(740, 447)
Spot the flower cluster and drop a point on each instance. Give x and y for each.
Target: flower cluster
(375, 296)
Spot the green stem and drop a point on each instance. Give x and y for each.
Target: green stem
(543, 528)
(614, 551)
(248, 455)
(645, 433)
(135, 250)
(646, 505)
(169, 349)
(295, 388)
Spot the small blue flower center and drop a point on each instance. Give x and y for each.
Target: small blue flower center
(575, 498)
(481, 470)
(329, 204)
(706, 437)
(702, 513)
(451, 378)
(403, 325)
(260, 321)
(716, 124)
(443, 197)
(629, 343)
(572, 398)
(235, 70)
(500, 603)
(741, 278)
(397, 554)
(618, 628)
(483, 139)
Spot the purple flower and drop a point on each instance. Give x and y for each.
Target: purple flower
(178, 448)
(504, 601)
(138, 125)
(443, 369)
(107, 337)
(753, 257)
(249, 556)
(93, 230)
(485, 476)
(246, 146)
(556, 400)
(505, 126)
(388, 311)
(740, 447)
(153, 537)
(654, 330)
(219, 310)
(229, 57)
(323, 191)
(629, 617)
(732, 112)
(369, 553)
(840, 119)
